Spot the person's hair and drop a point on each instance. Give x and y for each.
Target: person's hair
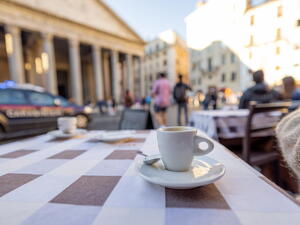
(162, 75)
(180, 77)
(258, 76)
(289, 84)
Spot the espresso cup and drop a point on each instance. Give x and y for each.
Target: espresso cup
(179, 145)
(67, 125)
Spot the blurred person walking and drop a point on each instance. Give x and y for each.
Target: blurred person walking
(211, 98)
(162, 92)
(260, 92)
(128, 101)
(180, 96)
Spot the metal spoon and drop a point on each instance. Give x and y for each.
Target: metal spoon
(151, 159)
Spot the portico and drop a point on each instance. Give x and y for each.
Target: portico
(76, 57)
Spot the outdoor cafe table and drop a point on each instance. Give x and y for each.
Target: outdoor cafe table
(228, 124)
(81, 181)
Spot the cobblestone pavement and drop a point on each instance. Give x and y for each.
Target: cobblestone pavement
(106, 122)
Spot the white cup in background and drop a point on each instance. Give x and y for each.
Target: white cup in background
(67, 125)
(179, 145)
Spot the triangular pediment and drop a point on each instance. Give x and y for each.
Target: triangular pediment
(92, 13)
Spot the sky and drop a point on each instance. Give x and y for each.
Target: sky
(150, 17)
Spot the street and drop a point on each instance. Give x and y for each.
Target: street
(106, 122)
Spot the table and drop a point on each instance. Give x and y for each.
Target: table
(84, 182)
(229, 124)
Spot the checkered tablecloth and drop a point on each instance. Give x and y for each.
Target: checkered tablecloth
(85, 182)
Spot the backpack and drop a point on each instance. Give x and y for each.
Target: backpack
(180, 93)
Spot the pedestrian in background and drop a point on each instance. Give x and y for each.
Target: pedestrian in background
(180, 96)
(162, 93)
(128, 101)
(211, 98)
(290, 90)
(260, 92)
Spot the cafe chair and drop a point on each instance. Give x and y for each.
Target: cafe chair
(136, 119)
(259, 142)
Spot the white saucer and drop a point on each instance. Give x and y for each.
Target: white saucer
(60, 134)
(114, 136)
(203, 171)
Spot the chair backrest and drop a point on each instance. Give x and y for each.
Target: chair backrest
(136, 119)
(280, 107)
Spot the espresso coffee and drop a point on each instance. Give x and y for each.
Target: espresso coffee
(179, 145)
(174, 129)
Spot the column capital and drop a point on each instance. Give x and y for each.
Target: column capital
(96, 47)
(74, 42)
(47, 36)
(12, 29)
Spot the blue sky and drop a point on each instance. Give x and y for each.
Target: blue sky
(150, 17)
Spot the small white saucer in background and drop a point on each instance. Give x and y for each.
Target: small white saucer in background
(203, 171)
(60, 134)
(114, 136)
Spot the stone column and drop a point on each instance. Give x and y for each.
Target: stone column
(49, 66)
(130, 76)
(75, 65)
(116, 76)
(97, 66)
(138, 82)
(142, 75)
(14, 53)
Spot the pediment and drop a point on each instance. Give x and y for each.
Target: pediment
(92, 13)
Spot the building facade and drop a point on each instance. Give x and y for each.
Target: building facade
(262, 34)
(79, 49)
(273, 38)
(216, 66)
(167, 53)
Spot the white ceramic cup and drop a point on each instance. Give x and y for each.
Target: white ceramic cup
(179, 145)
(67, 125)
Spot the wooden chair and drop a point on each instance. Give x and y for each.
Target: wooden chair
(261, 151)
(268, 154)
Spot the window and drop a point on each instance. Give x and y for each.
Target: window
(252, 20)
(278, 34)
(194, 66)
(157, 47)
(233, 76)
(223, 77)
(199, 65)
(37, 98)
(14, 97)
(209, 64)
(279, 11)
(223, 59)
(278, 50)
(199, 80)
(251, 42)
(232, 56)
